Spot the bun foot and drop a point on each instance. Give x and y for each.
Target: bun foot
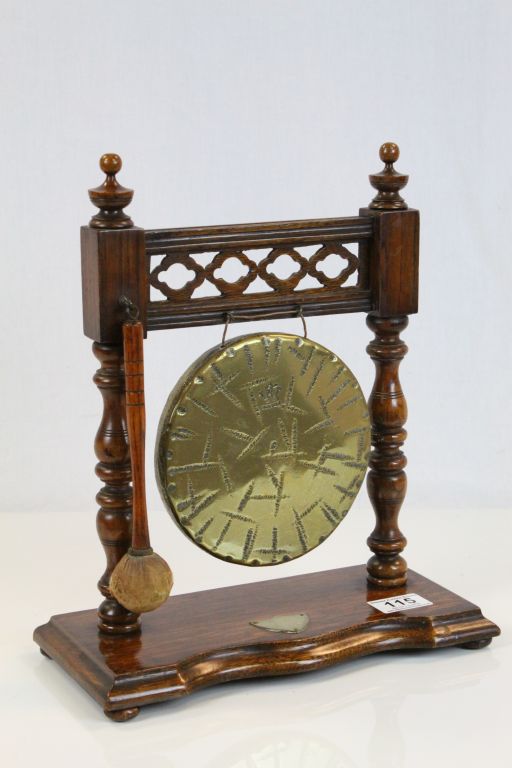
(121, 715)
(475, 645)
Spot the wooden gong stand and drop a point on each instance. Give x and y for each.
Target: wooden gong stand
(203, 638)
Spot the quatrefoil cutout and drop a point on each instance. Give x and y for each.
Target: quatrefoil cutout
(238, 286)
(343, 275)
(279, 283)
(186, 291)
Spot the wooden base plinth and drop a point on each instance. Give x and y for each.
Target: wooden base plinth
(205, 638)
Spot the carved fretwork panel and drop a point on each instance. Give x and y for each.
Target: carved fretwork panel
(197, 275)
(300, 267)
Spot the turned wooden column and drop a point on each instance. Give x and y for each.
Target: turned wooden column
(386, 480)
(113, 265)
(393, 267)
(114, 518)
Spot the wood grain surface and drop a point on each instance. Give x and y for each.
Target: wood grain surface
(205, 638)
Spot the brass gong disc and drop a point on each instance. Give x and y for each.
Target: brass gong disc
(262, 447)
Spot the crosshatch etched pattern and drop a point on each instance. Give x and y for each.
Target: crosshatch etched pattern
(262, 448)
(279, 266)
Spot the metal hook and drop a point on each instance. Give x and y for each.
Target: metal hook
(132, 311)
(226, 324)
(301, 315)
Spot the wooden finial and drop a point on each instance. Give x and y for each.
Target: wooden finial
(110, 197)
(388, 182)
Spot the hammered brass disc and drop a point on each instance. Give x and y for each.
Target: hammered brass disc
(262, 447)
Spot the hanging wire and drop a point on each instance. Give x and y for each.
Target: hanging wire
(231, 316)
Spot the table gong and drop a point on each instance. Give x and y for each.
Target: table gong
(275, 428)
(285, 449)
